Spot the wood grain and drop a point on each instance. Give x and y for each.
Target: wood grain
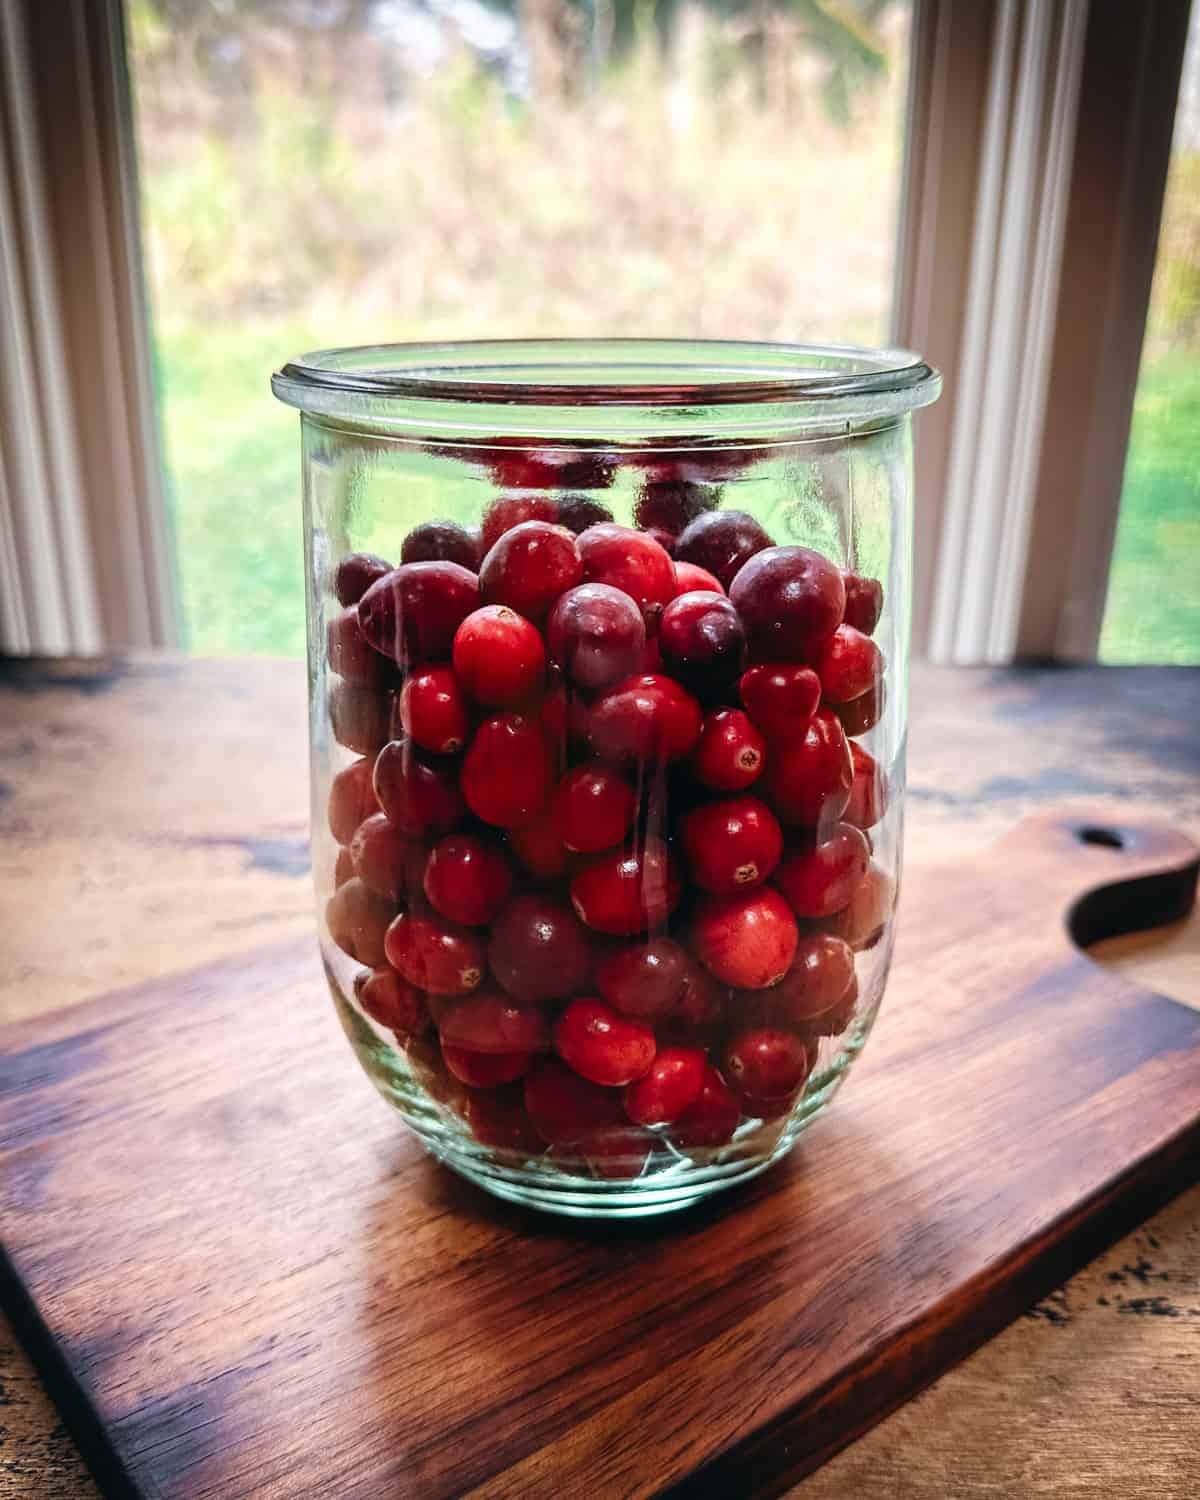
(1094, 1392)
(259, 1285)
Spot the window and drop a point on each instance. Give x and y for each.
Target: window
(317, 171)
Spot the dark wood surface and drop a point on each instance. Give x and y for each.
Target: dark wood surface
(266, 1289)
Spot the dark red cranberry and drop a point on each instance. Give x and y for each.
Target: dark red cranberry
(508, 771)
(565, 717)
(349, 654)
(646, 718)
(808, 782)
(552, 468)
(433, 710)
(355, 574)
(497, 1119)
(748, 939)
(419, 799)
(529, 567)
(869, 910)
(596, 634)
(672, 1083)
(862, 714)
(720, 541)
(671, 504)
(385, 860)
(821, 973)
(485, 1070)
(790, 599)
(613, 1153)
(357, 920)
(499, 656)
(732, 844)
(441, 541)
(539, 848)
(467, 879)
(539, 950)
(511, 510)
(767, 1063)
(712, 1116)
(869, 793)
(781, 698)
(593, 807)
(664, 539)
(351, 799)
(864, 601)
(359, 717)
(630, 561)
(848, 663)
(491, 1022)
(392, 1002)
(602, 1045)
(423, 1054)
(578, 512)
(701, 1002)
(565, 1108)
(702, 642)
(819, 881)
(730, 752)
(435, 955)
(644, 979)
(689, 579)
(624, 893)
(411, 614)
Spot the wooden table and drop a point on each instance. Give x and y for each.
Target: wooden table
(153, 817)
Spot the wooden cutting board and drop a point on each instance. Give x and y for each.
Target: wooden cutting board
(241, 1277)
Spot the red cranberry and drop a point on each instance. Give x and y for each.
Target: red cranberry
(499, 656)
(497, 1118)
(821, 973)
(419, 799)
(820, 881)
(508, 772)
(862, 714)
(441, 541)
(343, 868)
(539, 951)
(664, 539)
(702, 642)
(767, 1063)
(539, 848)
(351, 799)
(630, 561)
(392, 1002)
(864, 601)
(748, 939)
(869, 910)
(511, 510)
(623, 893)
(357, 920)
(730, 751)
(485, 1070)
(673, 1083)
(565, 1108)
(349, 654)
(578, 512)
(593, 808)
(435, 955)
(359, 717)
(848, 664)
(596, 634)
(646, 718)
(720, 541)
(467, 879)
(701, 1002)
(869, 793)
(355, 574)
(433, 710)
(732, 844)
(490, 1022)
(616, 1152)
(565, 716)
(790, 599)
(386, 861)
(712, 1116)
(781, 698)
(552, 468)
(411, 614)
(529, 567)
(644, 979)
(808, 782)
(671, 504)
(689, 579)
(602, 1045)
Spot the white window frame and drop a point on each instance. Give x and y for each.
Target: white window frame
(1039, 136)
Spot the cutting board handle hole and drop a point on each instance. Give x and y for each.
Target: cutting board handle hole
(1104, 838)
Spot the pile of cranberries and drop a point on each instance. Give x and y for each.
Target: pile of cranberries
(604, 851)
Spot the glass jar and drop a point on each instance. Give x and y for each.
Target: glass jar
(607, 649)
